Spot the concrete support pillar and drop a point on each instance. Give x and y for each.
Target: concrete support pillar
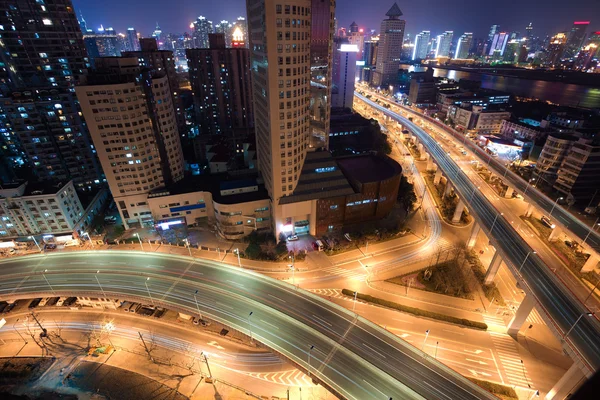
(521, 314)
(420, 147)
(492, 270)
(430, 164)
(460, 207)
(448, 189)
(529, 210)
(424, 156)
(437, 177)
(567, 384)
(509, 192)
(473, 237)
(590, 264)
(555, 234)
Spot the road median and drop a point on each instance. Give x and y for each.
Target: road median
(417, 311)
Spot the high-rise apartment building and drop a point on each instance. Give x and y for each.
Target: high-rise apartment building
(160, 61)
(220, 81)
(463, 45)
(131, 118)
(43, 54)
(443, 43)
(132, 40)
(101, 43)
(391, 37)
(202, 27)
(556, 49)
(498, 43)
(421, 45)
(225, 28)
(529, 31)
(575, 38)
(240, 32)
(356, 36)
(343, 75)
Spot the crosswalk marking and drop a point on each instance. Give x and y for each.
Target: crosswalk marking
(510, 360)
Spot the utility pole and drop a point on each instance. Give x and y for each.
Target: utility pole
(207, 366)
(44, 330)
(146, 347)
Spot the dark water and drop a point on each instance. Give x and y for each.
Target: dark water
(556, 92)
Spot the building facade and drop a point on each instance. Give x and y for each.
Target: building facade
(579, 171)
(421, 45)
(463, 46)
(553, 153)
(343, 75)
(391, 38)
(131, 118)
(474, 118)
(202, 28)
(222, 89)
(443, 44)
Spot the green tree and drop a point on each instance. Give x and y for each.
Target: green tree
(253, 250)
(406, 194)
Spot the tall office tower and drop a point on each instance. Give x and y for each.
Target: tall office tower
(202, 27)
(43, 56)
(494, 29)
(594, 39)
(240, 26)
(133, 42)
(225, 28)
(132, 122)
(529, 31)
(498, 43)
(511, 52)
(343, 75)
(463, 45)
(82, 23)
(281, 60)
(220, 81)
(158, 35)
(161, 61)
(357, 37)
(370, 51)
(556, 48)
(321, 50)
(444, 41)
(575, 38)
(101, 43)
(421, 44)
(391, 36)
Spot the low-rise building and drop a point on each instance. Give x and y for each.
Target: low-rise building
(523, 129)
(553, 153)
(99, 303)
(480, 97)
(473, 118)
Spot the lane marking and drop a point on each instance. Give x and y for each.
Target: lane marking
(271, 325)
(275, 297)
(373, 350)
(322, 320)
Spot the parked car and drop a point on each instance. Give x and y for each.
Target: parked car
(34, 303)
(205, 323)
(3, 306)
(70, 301)
(53, 301)
(159, 312)
(196, 320)
(10, 307)
(292, 238)
(50, 246)
(546, 221)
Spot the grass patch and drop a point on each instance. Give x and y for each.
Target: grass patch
(491, 291)
(503, 391)
(417, 311)
(19, 370)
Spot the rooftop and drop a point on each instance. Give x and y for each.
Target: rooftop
(369, 168)
(394, 12)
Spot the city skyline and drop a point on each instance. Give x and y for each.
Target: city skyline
(472, 16)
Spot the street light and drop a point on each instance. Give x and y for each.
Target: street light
(309, 354)
(97, 280)
(197, 306)
(187, 243)
(89, 238)
(109, 327)
(44, 275)
(591, 228)
(527, 256)
(16, 330)
(249, 324)
(494, 223)
(354, 304)
(555, 203)
(237, 251)
(528, 183)
(207, 366)
(138, 236)
(148, 289)
(426, 335)
(536, 394)
(36, 243)
(589, 314)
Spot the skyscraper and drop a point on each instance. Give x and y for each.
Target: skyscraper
(142, 151)
(101, 43)
(556, 48)
(133, 42)
(463, 45)
(391, 38)
(356, 36)
(498, 43)
(421, 43)
(281, 60)
(529, 31)
(240, 27)
(202, 27)
(343, 75)
(443, 43)
(575, 38)
(494, 29)
(157, 34)
(43, 55)
(220, 81)
(226, 29)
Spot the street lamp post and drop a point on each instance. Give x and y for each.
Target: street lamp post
(89, 238)
(44, 275)
(109, 327)
(97, 280)
(197, 306)
(426, 336)
(437, 344)
(138, 236)
(528, 183)
(36, 243)
(527, 256)
(19, 333)
(554, 206)
(354, 304)
(148, 289)
(590, 231)
(237, 251)
(589, 314)
(494, 223)
(207, 366)
(249, 324)
(187, 244)
(310, 349)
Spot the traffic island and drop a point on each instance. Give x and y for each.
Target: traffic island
(446, 204)
(502, 391)
(416, 311)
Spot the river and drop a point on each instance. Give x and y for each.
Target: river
(555, 92)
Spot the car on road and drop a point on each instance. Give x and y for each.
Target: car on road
(546, 221)
(292, 238)
(50, 246)
(34, 303)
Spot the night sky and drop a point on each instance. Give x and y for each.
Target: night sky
(548, 16)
